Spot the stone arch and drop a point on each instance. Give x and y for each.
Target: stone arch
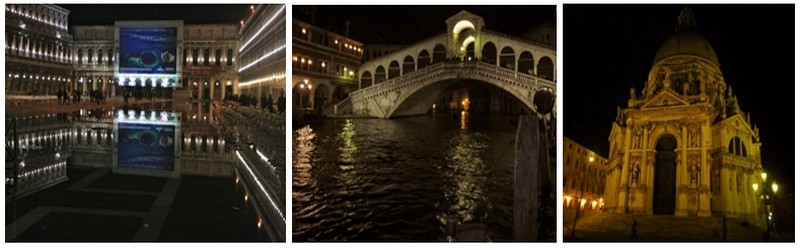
(463, 35)
(545, 68)
(380, 74)
(507, 58)
(439, 53)
(394, 69)
(321, 96)
(470, 51)
(423, 59)
(489, 53)
(408, 64)
(419, 101)
(366, 79)
(525, 63)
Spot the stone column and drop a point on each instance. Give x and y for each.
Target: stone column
(624, 178)
(705, 170)
(681, 182)
(211, 85)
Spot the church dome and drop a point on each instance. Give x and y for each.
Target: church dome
(686, 41)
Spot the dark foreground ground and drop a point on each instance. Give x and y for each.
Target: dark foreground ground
(96, 205)
(594, 226)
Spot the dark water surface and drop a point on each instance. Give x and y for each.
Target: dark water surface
(398, 179)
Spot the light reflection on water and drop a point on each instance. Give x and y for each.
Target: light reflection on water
(397, 180)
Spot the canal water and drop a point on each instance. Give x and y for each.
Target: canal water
(399, 179)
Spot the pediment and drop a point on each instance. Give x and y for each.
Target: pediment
(665, 99)
(737, 121)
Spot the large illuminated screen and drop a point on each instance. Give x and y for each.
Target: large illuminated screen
(148, 50)
(146, 146)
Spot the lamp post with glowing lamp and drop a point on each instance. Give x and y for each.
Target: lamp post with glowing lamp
(765, 198)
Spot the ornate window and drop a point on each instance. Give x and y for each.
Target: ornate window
(737, 147)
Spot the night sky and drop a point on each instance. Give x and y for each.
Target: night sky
(106, 14)
(610, 48)
(409, 24)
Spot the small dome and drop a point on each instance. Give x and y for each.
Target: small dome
(686, 42)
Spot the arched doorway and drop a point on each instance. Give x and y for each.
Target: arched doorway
(665, 170)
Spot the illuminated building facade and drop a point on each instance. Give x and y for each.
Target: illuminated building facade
(38, 49)
(42, 57)
(209, 59)
(262, 53)
(324, 61)
(683, 147)
(584, 178)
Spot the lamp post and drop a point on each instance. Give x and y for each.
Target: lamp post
(765, 199)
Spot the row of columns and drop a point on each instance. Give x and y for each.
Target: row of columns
(204, 144)
(49, 51)
(201, 85)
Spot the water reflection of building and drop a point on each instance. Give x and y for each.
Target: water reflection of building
(325, 61)
(584, 178)
(682, 146)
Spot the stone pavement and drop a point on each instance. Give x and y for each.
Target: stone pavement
(596, 226)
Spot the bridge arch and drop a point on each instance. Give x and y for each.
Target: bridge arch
(545, 68)
(507, 58)
(408, 65)
(420, 100)
(366, 79)
(526, 63)
(439, 53)
(380, 75)
(423, 59)
(394, 69)
(489, 53)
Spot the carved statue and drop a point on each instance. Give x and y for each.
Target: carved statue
(685, 88)
(637, 137)
(694, 170)
(694, 137)
(635, 173)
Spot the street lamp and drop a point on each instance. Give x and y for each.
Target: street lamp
(765, 198)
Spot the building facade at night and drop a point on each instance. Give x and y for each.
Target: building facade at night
(39, 50)
(43, 57)
(262, 53)
(324, 61)
(584, 178)
(682, 146)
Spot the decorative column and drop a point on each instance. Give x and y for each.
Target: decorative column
(681, 183)
(705, 170)
(623, 194)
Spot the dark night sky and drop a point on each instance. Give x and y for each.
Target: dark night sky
(106, 14)
(610, 48)
(409, 24)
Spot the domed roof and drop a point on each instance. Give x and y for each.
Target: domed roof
(686, 41)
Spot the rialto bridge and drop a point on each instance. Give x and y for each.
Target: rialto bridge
(407, 81)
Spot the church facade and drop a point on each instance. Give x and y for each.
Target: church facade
(682, 146)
